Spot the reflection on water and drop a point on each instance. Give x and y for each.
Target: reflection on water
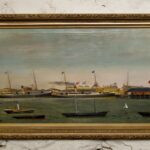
(119, 110)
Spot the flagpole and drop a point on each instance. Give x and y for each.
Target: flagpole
(95, 80)
(75, 101)
(35, 82)
(9, 81)
(65, 80)
(127, 78)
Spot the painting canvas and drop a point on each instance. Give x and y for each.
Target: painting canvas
(74, 75)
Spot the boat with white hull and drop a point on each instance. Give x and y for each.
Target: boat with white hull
(80, 95)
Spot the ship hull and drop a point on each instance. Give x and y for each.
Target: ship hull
(30, 117)
(96, 114)
(12, 111)
(84, 96)
(26, 95)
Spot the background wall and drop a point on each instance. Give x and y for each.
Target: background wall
(75, 6)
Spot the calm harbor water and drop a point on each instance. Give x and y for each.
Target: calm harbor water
(54, 107)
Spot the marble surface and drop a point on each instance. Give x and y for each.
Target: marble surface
(74, 145)
(75, 6)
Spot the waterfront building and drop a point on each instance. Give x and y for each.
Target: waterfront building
(139, 92)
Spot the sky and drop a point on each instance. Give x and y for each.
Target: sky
(110, 52)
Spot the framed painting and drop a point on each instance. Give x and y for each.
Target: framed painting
(75, 76)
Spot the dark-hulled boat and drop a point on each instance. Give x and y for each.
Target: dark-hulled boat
(29, 117)
(144, 114)
(32, 93)
(94, 114)
(90, 94)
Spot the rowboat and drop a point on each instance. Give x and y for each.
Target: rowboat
(18, 110)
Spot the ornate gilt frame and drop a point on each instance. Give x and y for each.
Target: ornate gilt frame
(75, 131)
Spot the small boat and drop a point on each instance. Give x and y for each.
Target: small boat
(29, 117)
(144, 114)
(30, 94)
(125, 106)
(94, 114)
(18, 110)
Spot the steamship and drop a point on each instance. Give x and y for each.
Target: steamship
(24, 91)
(85, 92)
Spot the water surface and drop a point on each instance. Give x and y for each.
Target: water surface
(54, 107)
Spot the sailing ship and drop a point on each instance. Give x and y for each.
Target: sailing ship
(83, 114)
(95, 113)
(18, 110)
(24, 92)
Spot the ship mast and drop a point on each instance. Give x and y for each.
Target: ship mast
(94, 104)
(65, 80)
(95, 79)
(127, 78)
(95, 84)
(34, 79)
(75, 100)
(8, 78)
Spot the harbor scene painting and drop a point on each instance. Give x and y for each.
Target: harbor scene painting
(75, 75)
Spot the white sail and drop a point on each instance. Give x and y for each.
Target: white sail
(125, 106)
(18, 106)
